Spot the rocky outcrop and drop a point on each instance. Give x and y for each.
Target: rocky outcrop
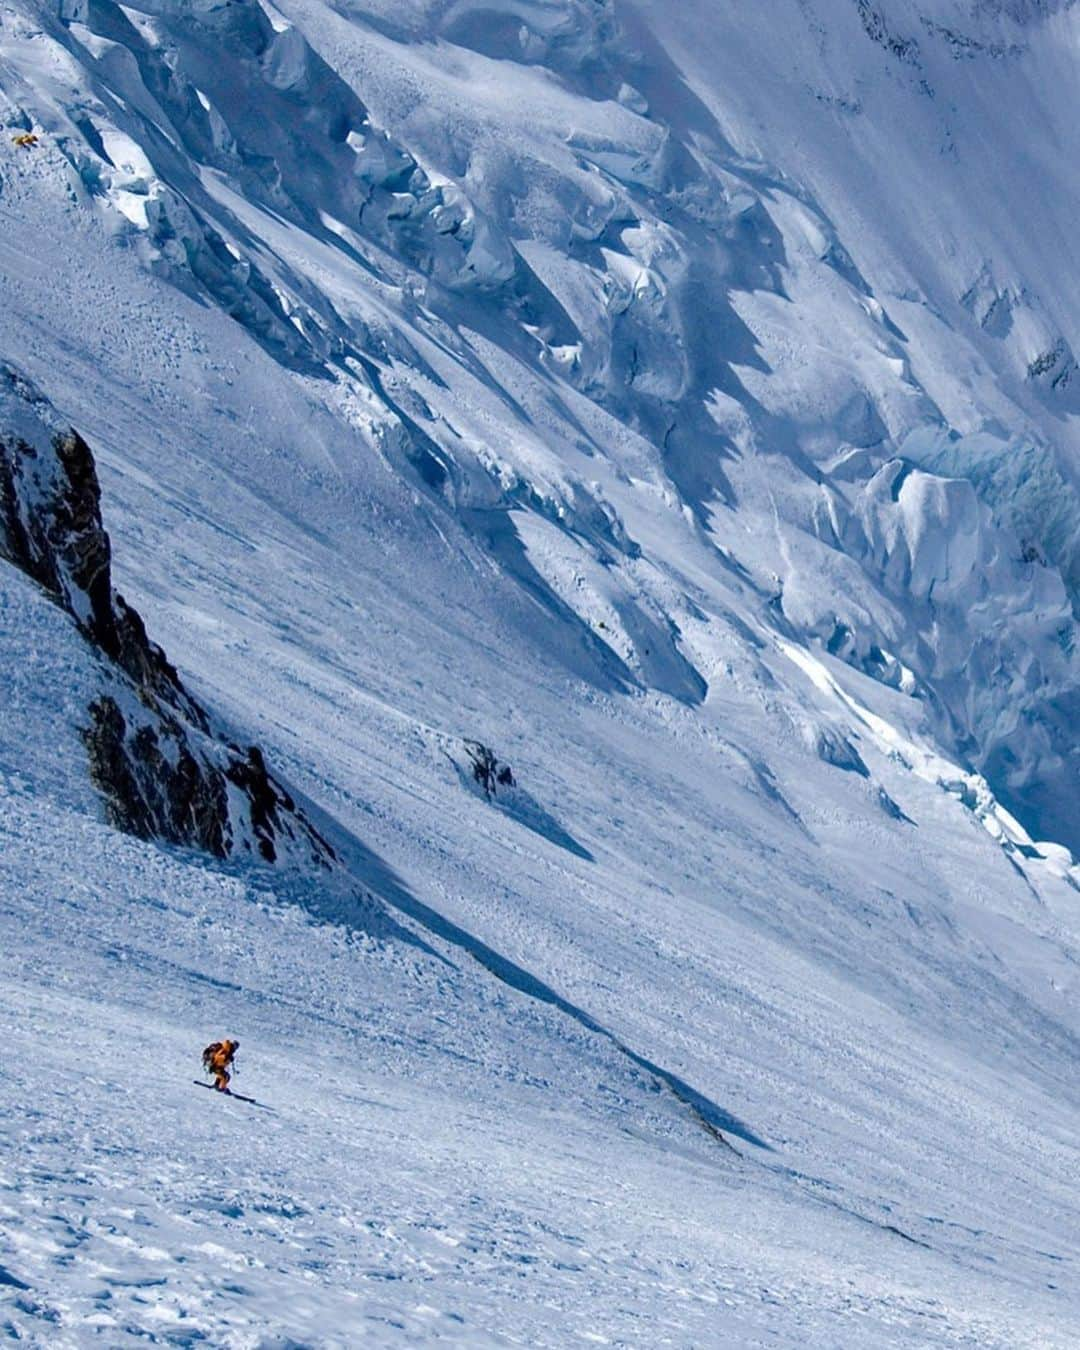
(487, 770)
(482, 773)
(164, 770)
(51, 528)
(153, 786)
(877, 30)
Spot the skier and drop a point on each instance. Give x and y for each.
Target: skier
(216, 1059)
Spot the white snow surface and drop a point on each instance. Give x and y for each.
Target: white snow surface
(680, 400)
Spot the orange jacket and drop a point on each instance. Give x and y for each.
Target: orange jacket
(219, 1056)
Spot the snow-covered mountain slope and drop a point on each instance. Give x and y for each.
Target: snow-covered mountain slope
(620, 287)
(678, 401)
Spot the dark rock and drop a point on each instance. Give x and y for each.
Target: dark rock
(837, 750)
(271, 806)
(877, 30)
(486, 769)
(150, 793)
(161, 768)
(891, 809)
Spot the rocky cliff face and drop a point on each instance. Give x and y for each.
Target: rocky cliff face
(163, 769)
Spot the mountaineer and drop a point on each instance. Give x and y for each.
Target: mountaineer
(216, 1060)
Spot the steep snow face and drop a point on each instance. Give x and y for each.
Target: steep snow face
(682, 267)
(437, 1159)
(685, 418)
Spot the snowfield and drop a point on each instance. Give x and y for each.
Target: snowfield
(680, 403)
(441, 1154)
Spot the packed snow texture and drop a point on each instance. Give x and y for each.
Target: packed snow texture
(677, 403)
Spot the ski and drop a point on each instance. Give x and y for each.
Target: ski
(236, 1096)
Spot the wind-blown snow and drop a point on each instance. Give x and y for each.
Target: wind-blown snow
(681, 402)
